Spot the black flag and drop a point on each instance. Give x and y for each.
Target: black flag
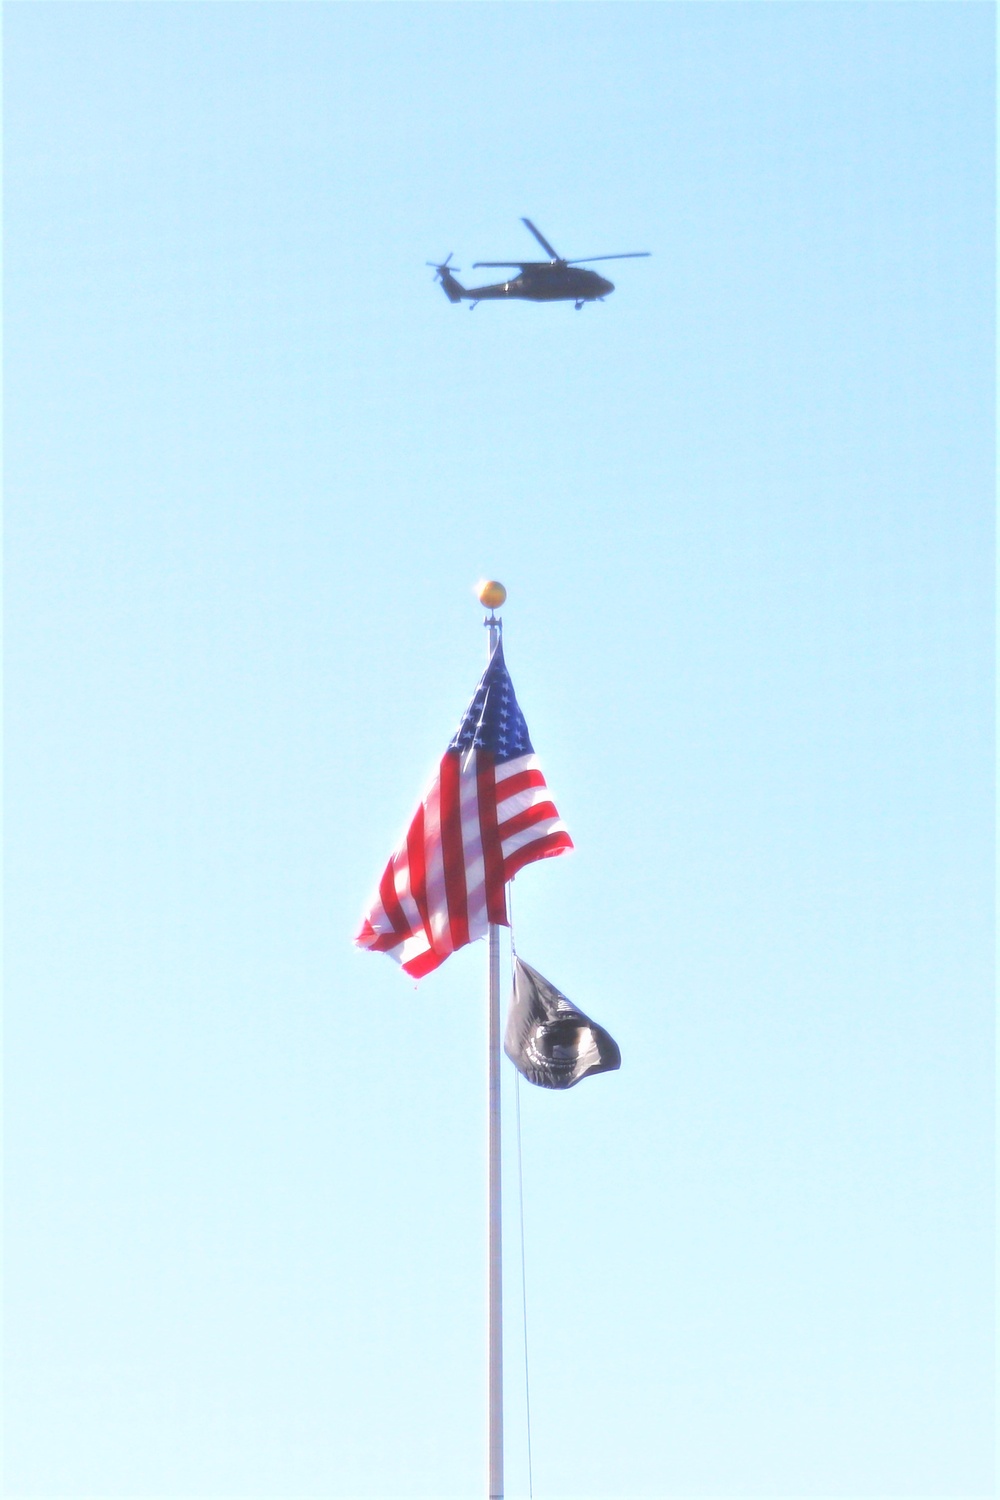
(548, 1040)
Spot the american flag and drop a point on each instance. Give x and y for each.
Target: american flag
(486, 814)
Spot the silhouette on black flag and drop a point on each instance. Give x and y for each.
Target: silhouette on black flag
(548, 1040)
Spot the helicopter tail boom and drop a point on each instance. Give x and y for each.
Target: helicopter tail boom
(452, 289)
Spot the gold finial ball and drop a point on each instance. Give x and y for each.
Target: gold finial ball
(491, 593)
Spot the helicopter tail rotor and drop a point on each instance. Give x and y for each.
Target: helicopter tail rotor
(453, 290)
(443, 265)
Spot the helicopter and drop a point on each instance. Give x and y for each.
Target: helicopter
(553, 280)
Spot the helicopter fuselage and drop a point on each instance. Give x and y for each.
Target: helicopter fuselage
(546, 284)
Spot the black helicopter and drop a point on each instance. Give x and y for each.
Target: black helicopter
(554, 280)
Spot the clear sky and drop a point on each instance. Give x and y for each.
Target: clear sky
(255, 463)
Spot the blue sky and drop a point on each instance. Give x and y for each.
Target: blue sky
(255, 463)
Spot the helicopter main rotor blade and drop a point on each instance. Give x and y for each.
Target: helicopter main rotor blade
(542, 240)
(628, 255)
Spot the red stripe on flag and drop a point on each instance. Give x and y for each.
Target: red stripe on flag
(389, 899)
(519, 783)
(453, 851)
(386, 942)
(418, 872)
(486, 786)
(542, 812)
(424, 963)
(540, 848)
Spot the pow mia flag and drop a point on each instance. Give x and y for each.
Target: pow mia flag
(548, 1040)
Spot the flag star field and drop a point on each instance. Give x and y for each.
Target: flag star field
(493, 720)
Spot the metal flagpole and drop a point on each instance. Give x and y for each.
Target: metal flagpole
(492, 595)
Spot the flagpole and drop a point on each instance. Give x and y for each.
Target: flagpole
(492, 595)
